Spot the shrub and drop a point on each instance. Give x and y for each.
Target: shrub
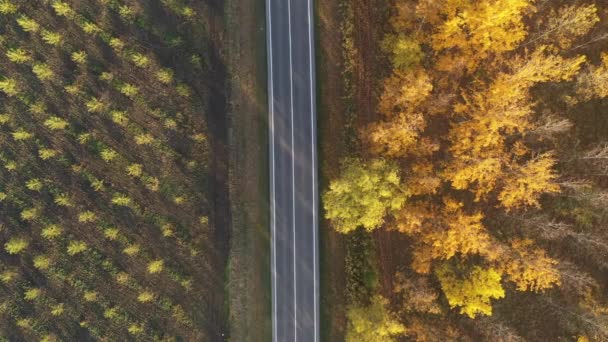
(16, 245)
(57, 310)
(134, 170)
(79, 57)
(111, 233)
(30, 214)
(140, 60)
(75, 247)
(145, 297)
(62, 9)
(7, 7)
(32, 294)
(18, 56)
(8, 276)
(121, 200)
(20, 135)
(131, 250)
(55, 123)
(156, 266)
(28, 24)
(87, 217)
(108, 154)
(51, 231)
(47, 153)
(43, 71)
(52, 38)
(42, 262)
(34, 184)
(9, 86)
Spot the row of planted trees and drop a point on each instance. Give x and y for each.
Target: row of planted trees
(104, 161)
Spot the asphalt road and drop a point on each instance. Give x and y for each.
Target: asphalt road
(293, 170)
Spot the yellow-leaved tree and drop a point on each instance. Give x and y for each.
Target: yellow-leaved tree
(473, 290)
(364, 194)
(373, 323)
(529, 267)
(476, 29)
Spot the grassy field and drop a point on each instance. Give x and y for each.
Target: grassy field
(249, 262)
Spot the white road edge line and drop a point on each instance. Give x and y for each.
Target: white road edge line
(313, 157)
(272, 182)
(293, 180)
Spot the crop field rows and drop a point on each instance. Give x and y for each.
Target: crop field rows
(104, 202)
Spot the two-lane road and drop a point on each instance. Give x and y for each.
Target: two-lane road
(293, 170)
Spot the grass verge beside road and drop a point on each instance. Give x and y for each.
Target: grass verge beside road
(248, 270)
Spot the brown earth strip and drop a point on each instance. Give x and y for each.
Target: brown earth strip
(220, 213)
(333, 146)
(371, 66)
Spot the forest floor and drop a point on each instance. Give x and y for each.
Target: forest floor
(248, 271)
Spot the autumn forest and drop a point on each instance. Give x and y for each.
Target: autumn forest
(471, 202)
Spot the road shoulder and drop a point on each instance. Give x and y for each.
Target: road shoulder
(248, 270)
